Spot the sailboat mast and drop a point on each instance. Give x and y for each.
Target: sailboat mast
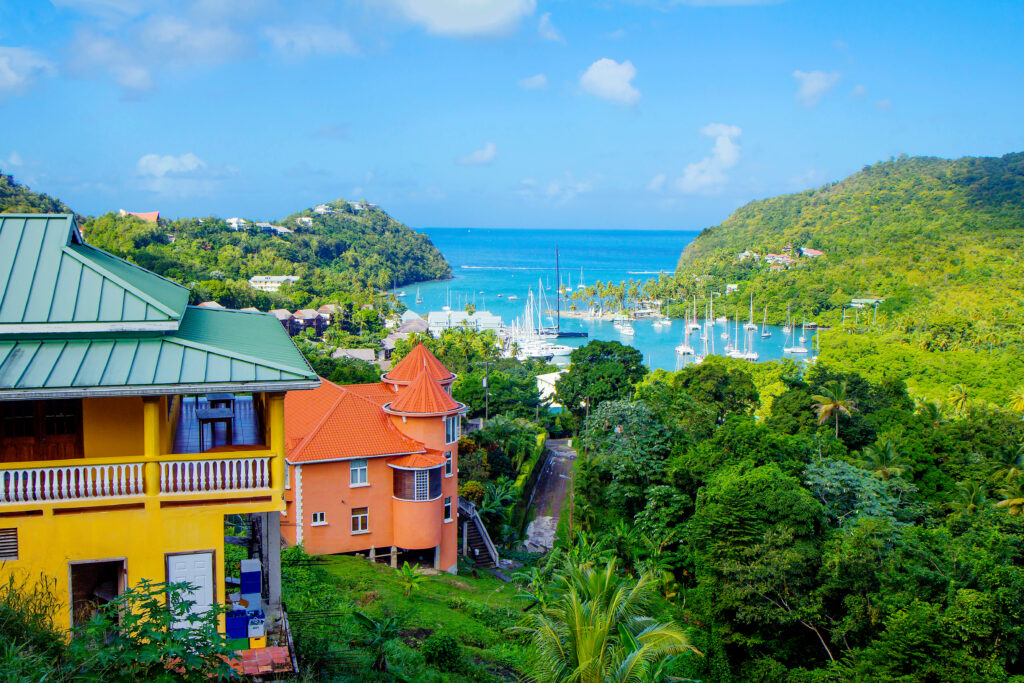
(558, 294)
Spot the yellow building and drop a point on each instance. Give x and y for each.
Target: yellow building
(131, 423)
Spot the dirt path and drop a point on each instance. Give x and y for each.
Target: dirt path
(549, 496)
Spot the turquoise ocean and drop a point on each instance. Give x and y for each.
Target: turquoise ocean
(487, 262)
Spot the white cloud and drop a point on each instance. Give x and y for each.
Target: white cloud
(546, 29)
(480, 157)
(534, 82)
(610, 80)
(859, 90)
(617, 34)
(657, 183)
(160, 165)
(814, 85)
(466, 17)
(150, 45)
(884, 104)
(20, 67)
(709, 174)
(297, 42)
(13, 160)
(564, 190)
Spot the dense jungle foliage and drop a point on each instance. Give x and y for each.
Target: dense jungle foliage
(938, 239)
(345, 255)
(846, 534)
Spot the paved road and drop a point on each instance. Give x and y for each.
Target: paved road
(549, 496)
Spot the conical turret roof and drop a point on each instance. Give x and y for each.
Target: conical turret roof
(418, 360)
(424, 397)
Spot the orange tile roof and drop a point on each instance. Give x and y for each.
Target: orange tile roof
(333, 422)
(148, 216)
(424, 397)
(411, 366)
(418, 461)
(379, 393)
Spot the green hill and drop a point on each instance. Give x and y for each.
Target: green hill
(342, 253)
(939, 239)
(16, 198)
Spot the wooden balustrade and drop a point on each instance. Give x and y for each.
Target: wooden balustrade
(65, 482)
(71, 482)
(228, 474)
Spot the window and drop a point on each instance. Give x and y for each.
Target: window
(319, 518)
(422, 484)
(357, 473)
(360, 520)
(451, 429)
(447, 509)
(448, 464)
(287, 477)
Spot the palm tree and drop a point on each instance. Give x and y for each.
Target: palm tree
(1017, 399)
(1013, 496)
(379, 632)
(958, 398)
(597, 630)
(970, 499)
(884, 458)
(833, 402)
(1010, 466)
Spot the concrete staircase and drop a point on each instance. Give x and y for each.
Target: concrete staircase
(476, 542)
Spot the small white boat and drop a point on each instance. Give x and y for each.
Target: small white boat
(400, 294)
(721, 319)
(765, 333)
(684, 350)
(419, 299)
(512, 297)
(625, 328)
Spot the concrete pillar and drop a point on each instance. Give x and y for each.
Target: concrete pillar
(272, 561)
(394, 557)
(465, 539)
(437, 557)
(373, 554)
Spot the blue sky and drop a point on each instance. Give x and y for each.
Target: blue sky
(493, 113)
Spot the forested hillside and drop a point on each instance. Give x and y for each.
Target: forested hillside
(16, 198)
(345, 251)
(939, 239)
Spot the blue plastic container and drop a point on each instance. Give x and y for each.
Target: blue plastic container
(237, 623)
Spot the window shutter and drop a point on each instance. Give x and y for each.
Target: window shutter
(8, 544)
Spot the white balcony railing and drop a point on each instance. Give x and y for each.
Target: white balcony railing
(229, 474)
(71, 482)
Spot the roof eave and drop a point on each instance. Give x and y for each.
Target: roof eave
(156, 389)
(462, 407)
(353, 457)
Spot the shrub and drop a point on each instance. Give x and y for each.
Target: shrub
(473, 491)
(443, 652)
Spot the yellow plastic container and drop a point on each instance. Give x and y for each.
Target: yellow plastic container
(257, 643)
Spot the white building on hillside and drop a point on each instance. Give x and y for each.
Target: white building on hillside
(444, 320)
(271, 283)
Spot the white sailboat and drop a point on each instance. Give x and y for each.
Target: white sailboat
(419, 299)
(694, 325)
(625, 329)
(803, 333)
(750, 323)
(765, 333)
(793, 346)
(684, 349)
(581, 285)
(788, 327)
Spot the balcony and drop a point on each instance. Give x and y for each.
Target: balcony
(239, 469)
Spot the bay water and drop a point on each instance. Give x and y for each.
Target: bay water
(487, 262)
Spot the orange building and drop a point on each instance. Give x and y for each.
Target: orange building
(373, 468)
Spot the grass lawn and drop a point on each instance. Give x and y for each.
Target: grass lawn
(477, 611)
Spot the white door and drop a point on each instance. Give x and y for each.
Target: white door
(195, 569)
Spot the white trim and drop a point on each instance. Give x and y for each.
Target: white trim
(298, 504)
(359, 533)
(71, 328)
(414, 469)
(353, 457)
(156, 389)
(449, 464)
(323, 519)
(407, 500)
(359, 486)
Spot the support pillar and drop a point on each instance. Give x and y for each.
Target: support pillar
(275, 421)
(394, 557)
(272, 561)
(373, 554)
(151, 447)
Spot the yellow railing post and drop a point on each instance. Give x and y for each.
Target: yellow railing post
(151, 443)
(275, 420)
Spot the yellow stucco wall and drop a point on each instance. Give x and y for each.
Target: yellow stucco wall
(48, 543)
(112, 427)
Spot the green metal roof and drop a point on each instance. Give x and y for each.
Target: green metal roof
(214, 349)
(54, 283)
